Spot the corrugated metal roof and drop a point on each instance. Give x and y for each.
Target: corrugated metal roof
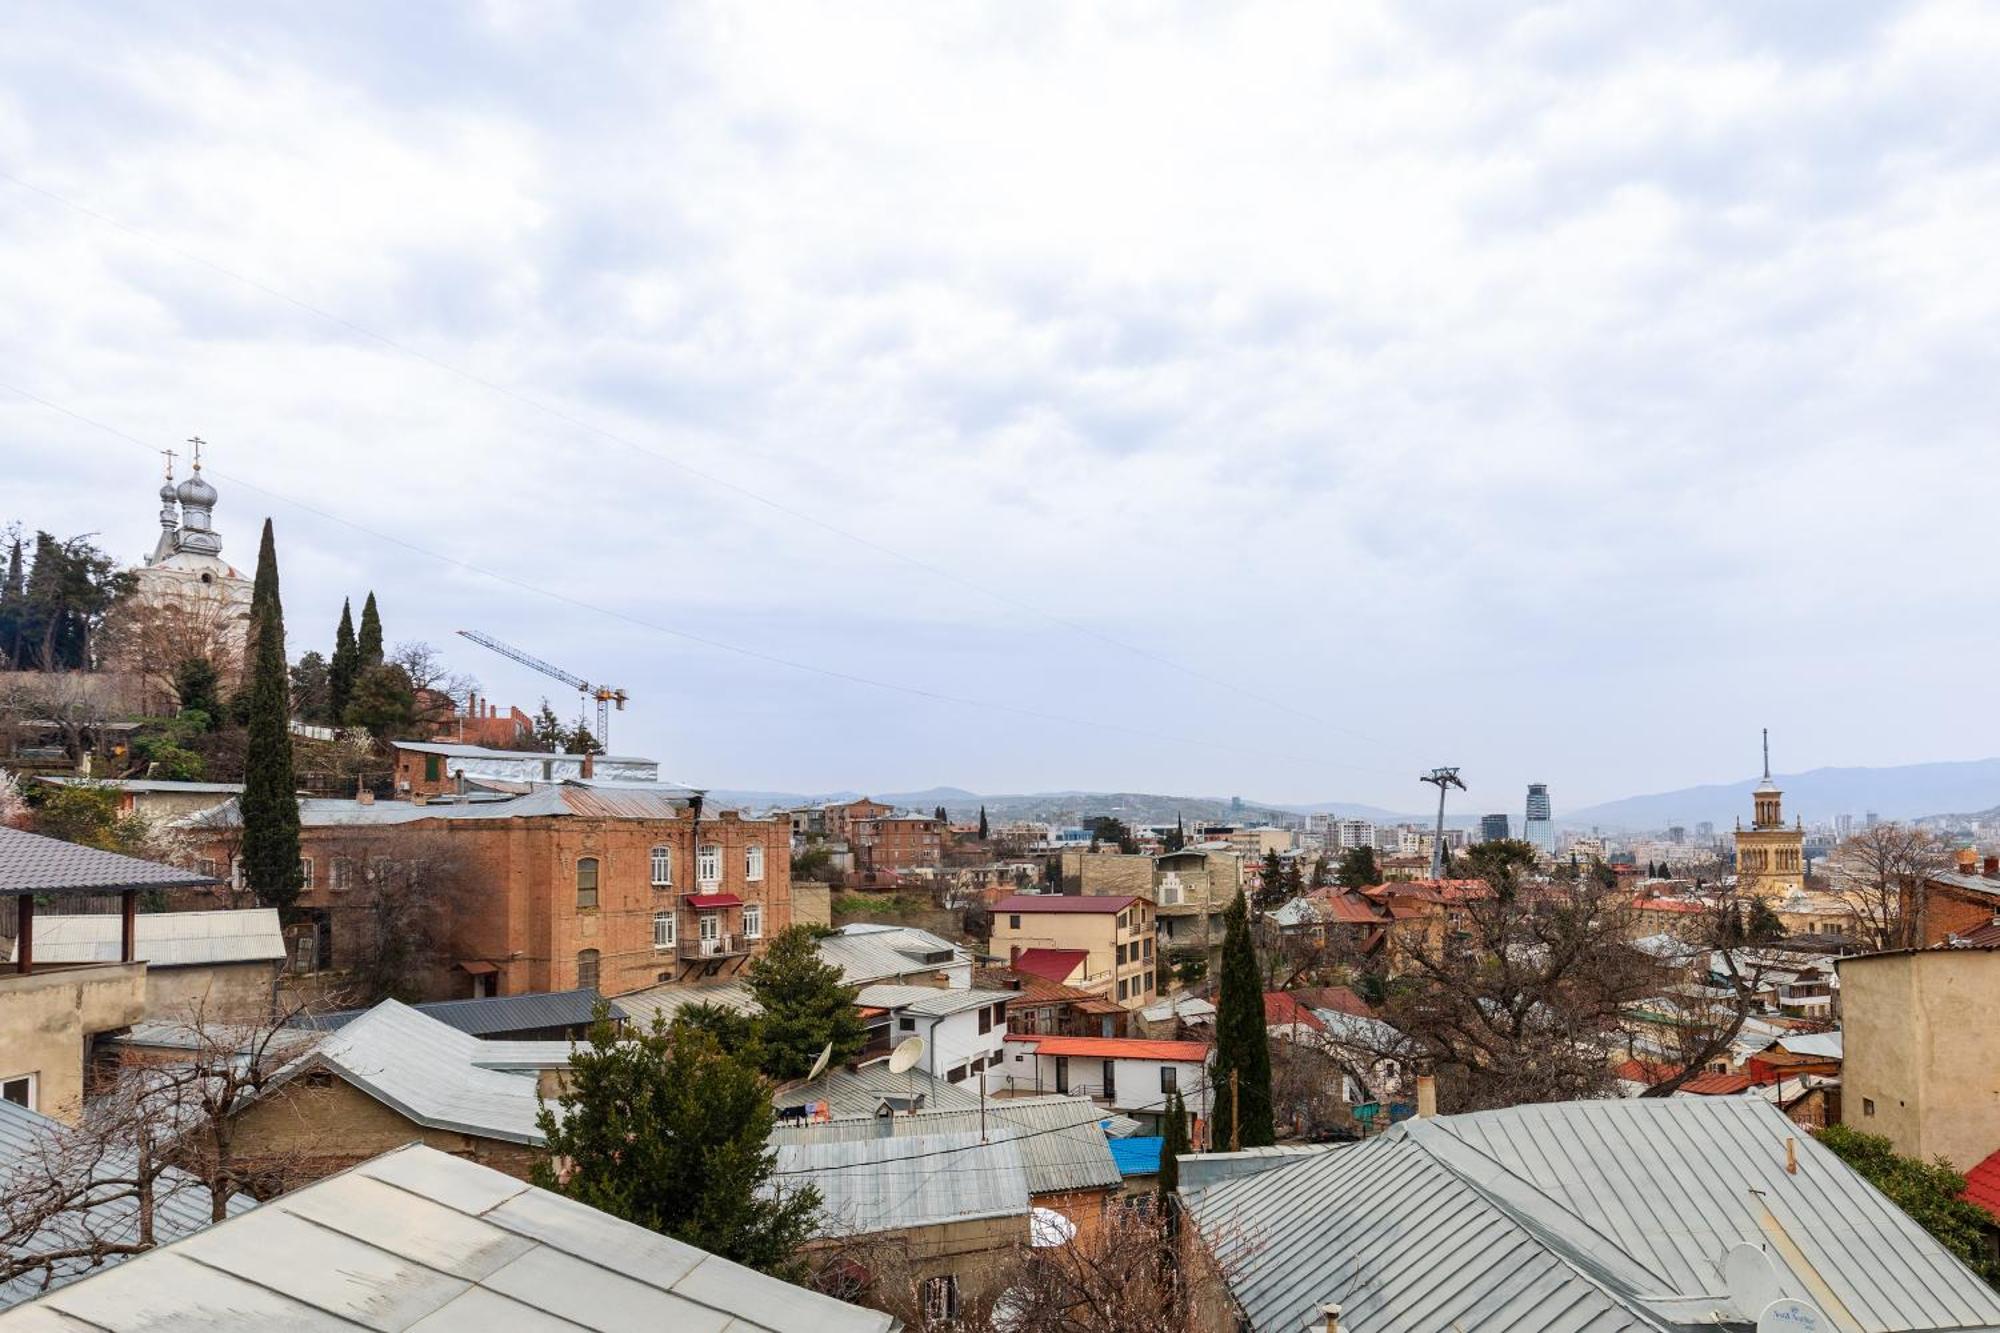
(878, 1184)
(148, 785)
(417, 1238)
(884, 953)
(495, 1014)
(1116, 1048)
(860, 1091)
(1825, 1045)
(930, 1001)
(1577, 1215)
(1057, 965)
(31, 863)
(430, 1073)
(164, 939)
(31, 1144)
(667, 1000)
(1093, 903)
(1062, 1140)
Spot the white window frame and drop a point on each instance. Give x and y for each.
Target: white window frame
(340, 874)
(236, 873)
(708, 863)
(753, 921)
(305, 873)
(33, 1088)
(940, 1299)
(753, 861)
(666, 939)
(662, 859)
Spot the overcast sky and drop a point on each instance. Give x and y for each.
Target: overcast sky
(1274, 400)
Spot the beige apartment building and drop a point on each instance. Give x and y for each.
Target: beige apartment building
(1113, 933)
(1921, 1050)
(1190, 889)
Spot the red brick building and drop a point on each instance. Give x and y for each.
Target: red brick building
(897, 842)
(569, 885)
(841, 817)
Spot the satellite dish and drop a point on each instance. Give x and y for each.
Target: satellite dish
(1750, 1278)
(1792, 1316)
(904, 1058)
(819, 1065)
(1048, 1228)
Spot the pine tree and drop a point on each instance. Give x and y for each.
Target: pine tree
(345, 666)
(550, 733)
(804, 1006)
(1242, 1045)
(985, 829)
(13, 607)
(269, 803)
(369, 641)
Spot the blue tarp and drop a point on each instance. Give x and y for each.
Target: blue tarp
(1137, 1156)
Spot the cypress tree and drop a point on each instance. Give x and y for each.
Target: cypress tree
(1173, 1143)
(1242, 1045)
(985, 829)
(346, 664)
(370, 640)
(270, 802)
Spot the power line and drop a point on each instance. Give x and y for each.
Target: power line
(720, 645)
(737, 488)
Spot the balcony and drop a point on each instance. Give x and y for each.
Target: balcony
(718, 946)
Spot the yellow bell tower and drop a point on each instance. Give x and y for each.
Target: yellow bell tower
(1770, 858)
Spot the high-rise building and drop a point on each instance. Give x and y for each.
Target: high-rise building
(1538, 829)
(1492, 828)
(1357, 833)
(1704, 832)
(1843, 827)
(1677, 834)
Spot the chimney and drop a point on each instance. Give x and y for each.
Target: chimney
(588, 767)
(1967, 859)
(1992, 867)
(364, 797)
(1331, 1313)
(1427, 1096)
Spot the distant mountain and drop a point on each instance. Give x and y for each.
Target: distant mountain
(1908, 791)
(1073, 807)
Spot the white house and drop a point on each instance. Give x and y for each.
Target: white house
(1125, 1074)
(963, 1030)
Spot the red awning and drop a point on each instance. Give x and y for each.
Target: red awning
(708, 902)
(478, 969)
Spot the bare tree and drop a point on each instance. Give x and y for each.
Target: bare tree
(1880, 873)
(441, 693)
(151, 638)
(393, 931)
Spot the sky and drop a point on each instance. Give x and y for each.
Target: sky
(1263, 399)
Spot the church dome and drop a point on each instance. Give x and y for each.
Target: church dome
(167, 495)
(197, 492)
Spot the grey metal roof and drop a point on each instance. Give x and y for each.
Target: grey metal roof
(879, 1184)
(147, 785)
(430, 1073)
(31, 863)
(163, 939)
(667, 1000)
(419, 1239)
(883, 953)
(1577, 1215)
(498, 1013)
(1062, 1140)
(931, 1001)
(32, 1144)
(860, 1091)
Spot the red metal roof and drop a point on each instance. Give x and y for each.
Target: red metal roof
(1064, 902)
(708, 902)
(1345, 907)
(1669, 905)
(1716, 1085)
(1116, 1048)
(1982, 1186)
(1057, 965)
(1644, 1071)
(1340, 999)
(1283, 1008)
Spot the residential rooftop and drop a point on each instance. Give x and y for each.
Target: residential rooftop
(33, 864)
(1093, 903)
(162, 939)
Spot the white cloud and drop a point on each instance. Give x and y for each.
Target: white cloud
(1551, 392)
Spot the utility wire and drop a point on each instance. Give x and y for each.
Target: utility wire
(707, 641)
(737, 488)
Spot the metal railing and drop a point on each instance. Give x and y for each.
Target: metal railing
(718, 946)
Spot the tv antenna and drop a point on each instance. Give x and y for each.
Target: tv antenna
(904, 1058)
(819, 1065)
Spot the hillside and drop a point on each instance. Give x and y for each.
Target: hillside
(1907, 791)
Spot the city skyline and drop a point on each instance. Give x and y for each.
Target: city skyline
(953, 398)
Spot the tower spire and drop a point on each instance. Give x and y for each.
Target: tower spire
(1767, 754)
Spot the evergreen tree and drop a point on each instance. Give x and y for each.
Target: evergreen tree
(1764, 924)
(985, 829)
(198, 689)
(270, 802)
(384, 703)
(1271, 883)
(1173, 1143)
(941, 815)
(1176, 839)
(369, 641)
(804, 1006)
(13, 606)
(550, 733)
(1242, 1045)
(310, 688)
(667, 1130)
(345, 666)
(1357, 869)
(582, 742)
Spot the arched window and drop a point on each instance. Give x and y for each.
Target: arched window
(708, 863)
(663, 865)
(586, 881)
(586, 970)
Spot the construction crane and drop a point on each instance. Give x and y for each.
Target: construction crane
(1442, 779)
(605, 695)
